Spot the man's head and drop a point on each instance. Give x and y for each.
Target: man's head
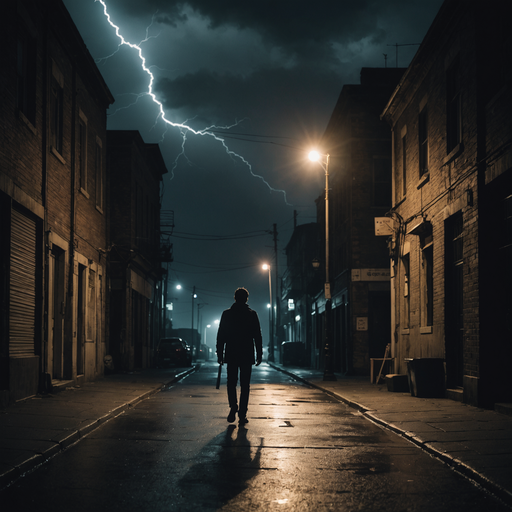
(241, 295)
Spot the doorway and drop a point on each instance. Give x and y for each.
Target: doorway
(56, 313)
(454, 302)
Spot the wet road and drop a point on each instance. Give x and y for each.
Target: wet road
(301, 450)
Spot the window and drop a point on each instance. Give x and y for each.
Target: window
(91, 307)
(82, 152)
(98, 164)
(427, 281)
(26, 74)
(56, 110)
(404, 165)
(407, 297)
(453, 106)
(381, 182)
(423, 141)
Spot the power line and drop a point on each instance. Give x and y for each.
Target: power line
(212, 269)
(216, 238)
(241, 136)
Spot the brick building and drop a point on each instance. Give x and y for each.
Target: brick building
(300, 284)
(451, 262)
(52, 202)
(359, 145)
(135, 169)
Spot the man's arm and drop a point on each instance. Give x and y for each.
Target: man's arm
(221, 340)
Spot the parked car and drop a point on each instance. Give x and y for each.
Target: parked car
(173, 351)
(204, 352)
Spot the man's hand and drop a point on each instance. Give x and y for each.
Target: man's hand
(258, 361)
(220, 360)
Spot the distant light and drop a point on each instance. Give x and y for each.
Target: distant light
(314, 156)
(265, 266)
(178, 287)
(269, 306)
(297, 318)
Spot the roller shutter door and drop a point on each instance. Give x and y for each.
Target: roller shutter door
(22, 310)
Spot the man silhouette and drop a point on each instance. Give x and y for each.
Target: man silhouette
(238, 335)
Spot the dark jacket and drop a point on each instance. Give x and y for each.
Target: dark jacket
(239, 333)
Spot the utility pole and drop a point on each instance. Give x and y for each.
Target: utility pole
(276, 330)
(194, 344)
(164, 299)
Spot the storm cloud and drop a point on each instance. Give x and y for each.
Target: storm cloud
(270, 70)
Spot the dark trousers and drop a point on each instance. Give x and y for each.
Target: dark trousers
(245, 379)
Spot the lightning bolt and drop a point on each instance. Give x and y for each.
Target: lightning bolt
(182, 127)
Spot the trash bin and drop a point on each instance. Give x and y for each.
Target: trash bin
(292, 353)
(426, 377)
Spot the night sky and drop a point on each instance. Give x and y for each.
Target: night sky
(267, 75)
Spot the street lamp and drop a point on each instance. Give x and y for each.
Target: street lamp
(207, 327)
(271, 326)
(193, 341)
(169, 307)
(323, 160)
(204, 341)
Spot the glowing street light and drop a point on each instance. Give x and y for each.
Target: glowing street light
(323, 160)
(207, 327)
(265, 266)
(168, 306)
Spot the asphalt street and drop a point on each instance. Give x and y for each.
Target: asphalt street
(301, 450)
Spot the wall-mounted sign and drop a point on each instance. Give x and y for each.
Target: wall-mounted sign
(383, 226)
(371, 274)
(361, 323)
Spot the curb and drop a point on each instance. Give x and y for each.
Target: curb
(36, 460)
(504, 495)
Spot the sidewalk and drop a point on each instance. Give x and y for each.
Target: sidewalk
(37, 428)
(476, 442)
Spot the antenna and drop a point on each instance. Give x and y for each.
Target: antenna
(396, 45)
(385, 60)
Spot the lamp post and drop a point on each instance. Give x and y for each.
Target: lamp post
(271, 329)
(204, 341)
(169, 307)
(328, 373)
(194, 344)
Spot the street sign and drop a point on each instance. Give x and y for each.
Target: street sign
(384, 226)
